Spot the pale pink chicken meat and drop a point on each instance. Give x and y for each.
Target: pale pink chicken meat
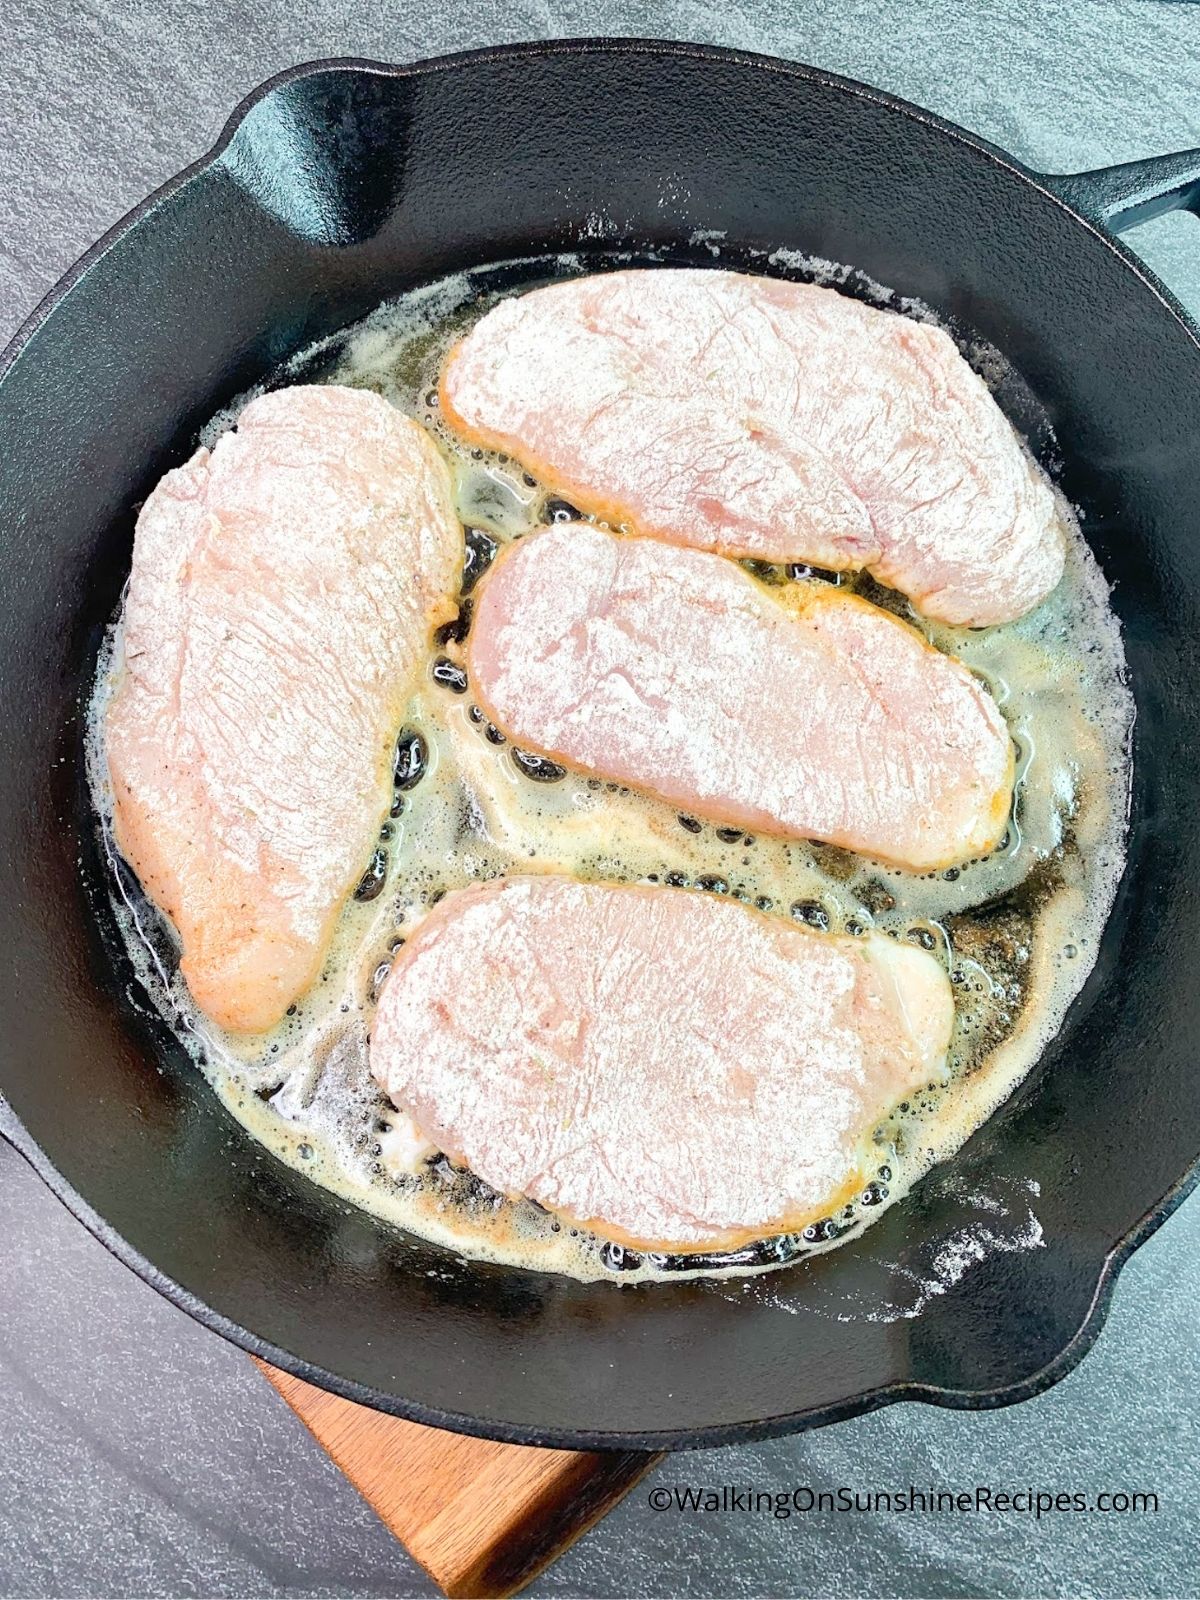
(676, 672)
(672, 1070)
(283, 589)
(761, 418)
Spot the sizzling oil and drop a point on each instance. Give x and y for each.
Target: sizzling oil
(1017, 931)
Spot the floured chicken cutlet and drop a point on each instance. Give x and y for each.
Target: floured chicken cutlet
(761, 418)
(283, 590)
(676, 672)
(674, 1071)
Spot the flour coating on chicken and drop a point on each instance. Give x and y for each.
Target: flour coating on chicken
(762, 418)
(283, 591)
(674, 671)
(673, 1070)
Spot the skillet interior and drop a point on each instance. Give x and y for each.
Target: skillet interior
(344, 185)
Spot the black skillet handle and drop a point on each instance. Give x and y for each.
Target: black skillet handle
(1117, 198)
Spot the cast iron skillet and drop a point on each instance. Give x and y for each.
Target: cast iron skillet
(341, 183)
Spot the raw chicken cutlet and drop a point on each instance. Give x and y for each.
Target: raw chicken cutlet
(762, 418)
(676, 672)
(283, 590)
(674, 1071)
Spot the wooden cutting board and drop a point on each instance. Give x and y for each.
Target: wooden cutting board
(481, 1518)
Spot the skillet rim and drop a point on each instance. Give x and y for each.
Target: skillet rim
(724, 1433)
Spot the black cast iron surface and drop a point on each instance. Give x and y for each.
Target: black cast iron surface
(290, 232)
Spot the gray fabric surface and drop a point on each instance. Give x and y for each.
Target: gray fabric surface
(139, 1455)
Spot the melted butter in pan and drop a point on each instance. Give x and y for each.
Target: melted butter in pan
(1018, 931)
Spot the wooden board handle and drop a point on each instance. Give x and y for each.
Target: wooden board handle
(481, 1518)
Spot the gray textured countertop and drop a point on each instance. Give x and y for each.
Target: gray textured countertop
(139, 1455)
